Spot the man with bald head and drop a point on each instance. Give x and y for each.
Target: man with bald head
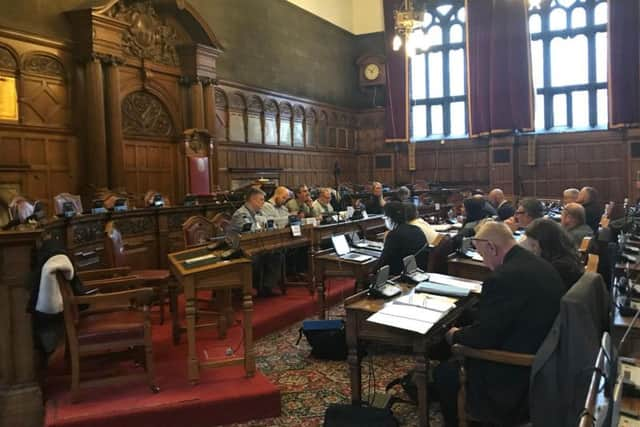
(588, 198)
(573, 220)
(275, 208)
(504, 208)
(570, 195)
(518, 305)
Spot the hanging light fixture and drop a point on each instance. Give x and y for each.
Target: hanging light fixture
(406, 20)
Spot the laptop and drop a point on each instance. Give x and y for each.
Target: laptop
(381, 288)
(341, 246)
(359, 242)
(411, 270)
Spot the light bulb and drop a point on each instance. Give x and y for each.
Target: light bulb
(397, 43)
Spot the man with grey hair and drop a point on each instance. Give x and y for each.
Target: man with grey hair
(375, 204)
(322, 205)
(573, 221)
(570, 195)
(517, 307)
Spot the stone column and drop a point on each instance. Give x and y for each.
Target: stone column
(197, 104)
(114, 123)
(210, 106)
(96, 145)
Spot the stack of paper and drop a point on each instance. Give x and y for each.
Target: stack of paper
(430, 302)
(410, 318)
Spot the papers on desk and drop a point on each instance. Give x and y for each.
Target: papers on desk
(430, 302)
(443, 279)
(474, 255)
(441, 228)
(626, 421)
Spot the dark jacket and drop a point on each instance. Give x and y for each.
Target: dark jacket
(506, 210)
(593, 212)
(517, 307)
(488, 209)
(562, 368)
(373, 206)
(570, 269)
(400, 242)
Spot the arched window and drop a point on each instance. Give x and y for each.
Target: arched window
(8, 86)
(569, 63)
(437, 73)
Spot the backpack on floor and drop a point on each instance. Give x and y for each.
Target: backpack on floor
(327, 338)
(358, 416)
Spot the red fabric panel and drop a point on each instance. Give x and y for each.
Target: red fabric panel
(199, 175)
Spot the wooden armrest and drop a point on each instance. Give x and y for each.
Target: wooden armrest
(103, 273)
(114, 284)
(498, 356)
(141, 295)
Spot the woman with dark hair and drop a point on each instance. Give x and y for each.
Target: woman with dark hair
(403, 239)
(474, 213)
(547, 239)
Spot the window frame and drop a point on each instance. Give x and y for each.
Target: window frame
(446, 100)
(546, 35)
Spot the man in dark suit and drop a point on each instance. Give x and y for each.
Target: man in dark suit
(517, 307)
(503, 207)
(588, 198)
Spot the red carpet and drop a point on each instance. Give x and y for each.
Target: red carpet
(223, 396)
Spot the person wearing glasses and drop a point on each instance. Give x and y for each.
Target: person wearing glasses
(573, 220)
(518, 306)
(528, 210)
(322, 205)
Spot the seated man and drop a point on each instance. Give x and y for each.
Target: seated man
(570, 195)
(517, 307)
(322, 205)
(403, 194)
(248, 218)
(275, 208)
(487, 207)
(588, 198)
(528, 210)
(375, 204)
(573, 221)
(503, 207)
(301, 204)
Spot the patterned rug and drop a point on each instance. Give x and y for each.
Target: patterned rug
(309, 385)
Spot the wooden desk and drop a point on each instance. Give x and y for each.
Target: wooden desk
(328, 261)
(467, 268)
(359, 307)
(223, 275)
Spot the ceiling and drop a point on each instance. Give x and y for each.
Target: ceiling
(355, 16)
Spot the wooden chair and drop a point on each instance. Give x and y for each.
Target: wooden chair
(592, 263)
(576, 296)
(198, 230)
(591, 416)
(438, 255)
(158, 279)
(112, 326)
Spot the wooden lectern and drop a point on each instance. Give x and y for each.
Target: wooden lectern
(200, 269)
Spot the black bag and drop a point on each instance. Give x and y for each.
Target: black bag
(408, 385)
(327, 338)
(358, 416)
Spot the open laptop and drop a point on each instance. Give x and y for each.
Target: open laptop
(381, 288)
(359, 242)
(343, 250)
(411, 270)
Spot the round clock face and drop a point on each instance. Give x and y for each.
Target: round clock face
(371, 71)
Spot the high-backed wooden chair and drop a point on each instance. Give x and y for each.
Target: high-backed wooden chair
(112, 326)
(158, 279)
(198, 230)
(592, 263)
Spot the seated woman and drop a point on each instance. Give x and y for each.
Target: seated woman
(474, 213)
(414, 219)
(403, 239)
(547, 239)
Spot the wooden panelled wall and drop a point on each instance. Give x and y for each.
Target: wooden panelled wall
(541, 165)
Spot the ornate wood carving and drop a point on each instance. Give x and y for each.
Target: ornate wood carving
(144, 224)
(87, 232)
(7, 60)
(148, 36)
(144, 114)
(44, 64)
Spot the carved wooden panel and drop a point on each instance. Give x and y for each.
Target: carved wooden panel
(7, 60)
(143, 114)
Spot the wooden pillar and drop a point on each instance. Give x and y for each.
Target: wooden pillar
(210, 106)
(95, 156)
(20, 394)
(197, 104)
(114, 124)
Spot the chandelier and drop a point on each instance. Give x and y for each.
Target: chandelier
(406, 21)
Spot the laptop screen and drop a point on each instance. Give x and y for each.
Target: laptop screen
(382, 276)
(340, 244)
(410, 264)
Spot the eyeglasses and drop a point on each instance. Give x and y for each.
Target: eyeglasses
(474, 240)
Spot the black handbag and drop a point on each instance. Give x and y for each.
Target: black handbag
(327, 338)
(358, 416)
